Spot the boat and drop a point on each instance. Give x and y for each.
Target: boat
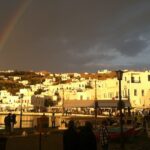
(115, 132)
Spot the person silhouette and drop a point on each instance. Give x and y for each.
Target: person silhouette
(87, 137)
(53, 120)
(104, 135)
(12, 121)
(70, 137)
(7, 122)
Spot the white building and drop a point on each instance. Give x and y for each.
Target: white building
(137, 85)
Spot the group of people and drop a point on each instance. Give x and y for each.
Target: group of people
(10, 121)
(84, 138)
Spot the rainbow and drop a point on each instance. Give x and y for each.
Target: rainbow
(12, 23)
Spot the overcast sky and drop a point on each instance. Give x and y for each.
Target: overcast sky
(74, 35)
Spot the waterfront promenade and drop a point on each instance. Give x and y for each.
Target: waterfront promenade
(54, 140)
(28, 139)
(29, 120)
(31, 139)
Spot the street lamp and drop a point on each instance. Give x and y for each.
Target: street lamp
(119, 74)
(63, 101)
(21, 98)
(95, 104)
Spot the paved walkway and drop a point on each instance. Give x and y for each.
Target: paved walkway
(138, 142)
(53, 140)
(32, 141)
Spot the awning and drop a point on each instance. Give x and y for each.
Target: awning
(78, 103)
(91, 103)
(112, 103)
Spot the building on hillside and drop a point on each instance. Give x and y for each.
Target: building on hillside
(24, 82)
(48, 82)
(134, 86)
(65, 77)
(5, 96)
(138, 88)
(103, 71)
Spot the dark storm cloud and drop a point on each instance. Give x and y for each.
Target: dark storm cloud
(78, 35)
(133, 47)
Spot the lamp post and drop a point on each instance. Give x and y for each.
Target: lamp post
(119, 74)
(21, 97)
(62, 101)
(96, 100)
(95, 103)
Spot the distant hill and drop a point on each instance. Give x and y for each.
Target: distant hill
(8, 83)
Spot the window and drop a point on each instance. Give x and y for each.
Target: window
(117, 94)
(128, 92)
(81, 97)
(125, 92)
(139, 79)
(142, 92)
(135, 79)
(148, 77)
(135, 92)
(110, 95)
(132, 79)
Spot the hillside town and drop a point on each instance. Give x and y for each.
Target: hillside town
(35, 90)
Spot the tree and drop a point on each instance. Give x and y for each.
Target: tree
(48, 102)
(58, 96)
(39, 91)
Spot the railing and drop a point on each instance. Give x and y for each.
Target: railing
(28, 122)
(2, 125)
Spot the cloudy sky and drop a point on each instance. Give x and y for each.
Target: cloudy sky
(74, 35)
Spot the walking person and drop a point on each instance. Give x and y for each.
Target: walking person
(12, 121)
(7, 122)
(53, 120)
(104, 135)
